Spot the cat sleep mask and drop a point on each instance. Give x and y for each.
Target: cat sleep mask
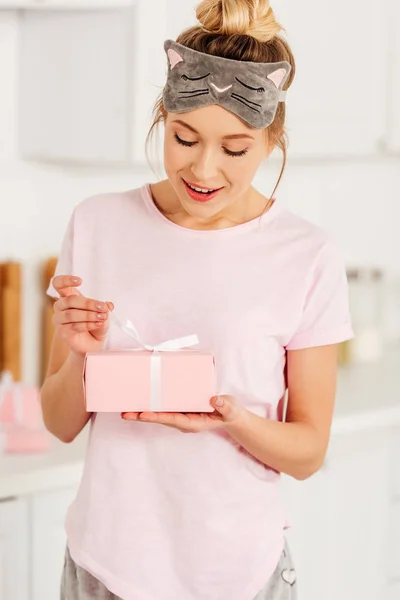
(250, 90)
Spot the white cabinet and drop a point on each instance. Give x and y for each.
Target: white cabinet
(62, 4)
(181, 15)
(32, 544)
(393, 121)
(88, 81)
(8, 70)
(393, 592)
(14, 550)
(358, 483)
(48, 512)
(393, 515)
(73, 86)
(339, 531)
(337, 103)
(309, 538)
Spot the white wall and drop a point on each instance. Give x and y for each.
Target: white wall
(357, 201)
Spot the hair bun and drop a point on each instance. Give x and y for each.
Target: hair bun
(244, 17)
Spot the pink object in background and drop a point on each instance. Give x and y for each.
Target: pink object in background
(139, 381)
(21, 424)
(24, 410)
(16, 439)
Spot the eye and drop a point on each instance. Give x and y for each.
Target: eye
(187, 78)
(259, 90)
(237, 154)
(183, 142)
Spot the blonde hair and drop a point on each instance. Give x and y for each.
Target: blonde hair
(240, 30)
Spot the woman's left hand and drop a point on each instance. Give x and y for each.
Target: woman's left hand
(226, 411)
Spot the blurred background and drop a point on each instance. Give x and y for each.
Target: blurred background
(78, 80)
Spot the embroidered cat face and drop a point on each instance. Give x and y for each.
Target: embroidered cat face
(250, 90)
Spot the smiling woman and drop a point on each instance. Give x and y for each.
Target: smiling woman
(199, 516)
(277, 73)
(211, 149)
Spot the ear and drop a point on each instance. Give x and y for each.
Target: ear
(277, 76)
(174, 58)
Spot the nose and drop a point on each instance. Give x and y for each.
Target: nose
(205, 166)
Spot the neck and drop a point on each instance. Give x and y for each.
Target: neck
(244, 209)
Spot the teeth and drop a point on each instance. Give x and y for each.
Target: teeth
(201, 190)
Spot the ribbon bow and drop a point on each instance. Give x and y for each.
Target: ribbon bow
(155, 359)
(168, 346)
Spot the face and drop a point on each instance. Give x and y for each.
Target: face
(214, 151)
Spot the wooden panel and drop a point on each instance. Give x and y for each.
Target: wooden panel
(10, 318)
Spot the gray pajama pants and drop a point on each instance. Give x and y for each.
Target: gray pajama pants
(78, 584)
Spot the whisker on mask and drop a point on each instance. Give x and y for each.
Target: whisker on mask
(252, 91)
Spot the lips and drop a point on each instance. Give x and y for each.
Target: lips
(201, 196)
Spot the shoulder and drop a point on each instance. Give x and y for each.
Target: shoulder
(306, 239)
(111, 205)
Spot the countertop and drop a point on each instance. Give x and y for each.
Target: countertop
(368, 396)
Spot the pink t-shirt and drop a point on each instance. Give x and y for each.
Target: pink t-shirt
(162, 515)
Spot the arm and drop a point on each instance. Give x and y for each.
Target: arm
(81, 325)
(62, 397)
(298, 446)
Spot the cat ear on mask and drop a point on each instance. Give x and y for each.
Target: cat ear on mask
(174, 58)
(277, 77)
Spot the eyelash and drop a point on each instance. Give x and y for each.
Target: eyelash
(228, 152)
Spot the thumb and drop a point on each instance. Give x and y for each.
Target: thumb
(227, 407)
(66, 285)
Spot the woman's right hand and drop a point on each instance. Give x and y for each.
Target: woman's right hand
(80, 322)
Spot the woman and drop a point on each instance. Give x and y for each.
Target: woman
(161, 515)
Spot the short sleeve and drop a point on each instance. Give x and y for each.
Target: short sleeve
(65, 258)
(326, 314)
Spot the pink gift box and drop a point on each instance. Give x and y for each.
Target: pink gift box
(16, 439)
(146, 381)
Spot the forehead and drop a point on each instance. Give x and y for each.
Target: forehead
(215, 121)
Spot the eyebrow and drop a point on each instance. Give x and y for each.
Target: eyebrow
(235, 136)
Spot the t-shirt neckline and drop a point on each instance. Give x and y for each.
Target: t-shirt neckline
(225, 232)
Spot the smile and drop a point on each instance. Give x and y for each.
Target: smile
(201, 190)
(200, 194)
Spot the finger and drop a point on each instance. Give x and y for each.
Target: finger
(71, 315)
(215, 416)
(66, 285)
(130, 416)
(82, 303)
(179, 421)
(227, 407)
(85, 327)
(135, 416)
(152, 417)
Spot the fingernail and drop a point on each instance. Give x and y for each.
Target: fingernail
(110, 305)
(101, 306)
(219, 401)
(76, 279)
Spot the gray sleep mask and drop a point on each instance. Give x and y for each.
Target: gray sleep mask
(250, 90)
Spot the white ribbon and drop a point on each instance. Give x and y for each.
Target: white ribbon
(7, 384)
(155, 360)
